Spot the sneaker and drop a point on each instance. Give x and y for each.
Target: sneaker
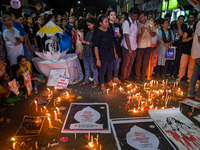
(178, 79)
(91, 79)
(116, 80)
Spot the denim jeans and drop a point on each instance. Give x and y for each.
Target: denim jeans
(106, 68)
(194, 78)
(89, 66)
(116, 64)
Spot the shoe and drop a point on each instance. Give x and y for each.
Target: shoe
(197, 98)
(190, 96)
(95, 85)
(116, 80)
(163, 76)
(109, 84)
(91, 79)
(188, 80)
(178, 79)
(84, 83)
(103, 88)
(137, 79)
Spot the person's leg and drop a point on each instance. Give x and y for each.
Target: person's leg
(93, 69)
(87, 68)
(190, 67)
(145, 61)
(194, 78)
(138, 64)
(125, 62)
(116, 67)
(177, 61)
(130, 65)
(102, 71)
(109, 70)
(183, 65)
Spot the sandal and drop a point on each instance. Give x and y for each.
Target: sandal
(5, 120)
(84, 83)
(103, 88)
(109, 84)
(95, 85)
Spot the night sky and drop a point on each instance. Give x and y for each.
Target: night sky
(61, 5)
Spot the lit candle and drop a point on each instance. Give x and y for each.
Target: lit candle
(49, 90)
(36, 106)
(56, 117)
(67, 94)
(157, 83)
(75, 134)
(145, 85)
(59, 99)
(50, 125)
(100, 147)
(174, 85)
(89, 136)
(107, 91)
(114, 86)
(97, 139)
(92, 138)
(120, 88)
(166, 81)
(44, 108)
(58, 110)
(36, 145)
(49, 96)
(14, 145)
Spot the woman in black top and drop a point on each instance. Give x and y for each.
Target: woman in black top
(104, 51)
(117, 35)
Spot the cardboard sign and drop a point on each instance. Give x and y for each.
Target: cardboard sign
(30, 126)
(62, 82)
(85, 117)
(54, 76)
(14, 87)
(140, 133)
(27, 78)
(178, 128)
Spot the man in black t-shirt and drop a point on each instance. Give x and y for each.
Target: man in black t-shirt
(178, 29)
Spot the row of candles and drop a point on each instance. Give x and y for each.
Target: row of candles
(152, 90)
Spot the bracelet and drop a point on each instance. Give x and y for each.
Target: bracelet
(98, 59)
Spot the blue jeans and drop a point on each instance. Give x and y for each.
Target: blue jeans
(116, 64)
(106, 68)
(89, 66)
(194, 78)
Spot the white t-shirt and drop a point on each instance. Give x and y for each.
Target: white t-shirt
(132, 32)
(195, 52)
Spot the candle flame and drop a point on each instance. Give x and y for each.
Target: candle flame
(67, 94)
(48, 89)
(91, 144)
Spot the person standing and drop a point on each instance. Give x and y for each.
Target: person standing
(117, 34)
(129, 43)
(195, 53)
(186, 58)
(146, 30)
(178, 29)
(105, 52)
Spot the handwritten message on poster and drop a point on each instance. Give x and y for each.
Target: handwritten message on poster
(14, 87)
(27, 78)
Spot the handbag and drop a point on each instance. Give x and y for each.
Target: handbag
(170, 54)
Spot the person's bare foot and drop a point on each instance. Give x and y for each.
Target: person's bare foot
(109, 84)
(103, 88)
(95, 85)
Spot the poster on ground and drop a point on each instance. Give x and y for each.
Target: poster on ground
(30, 126)
(42, 100)
(54, 76)
(27, 78)
(178, 128)
(140, 133)
(62, 82)
(87, 117)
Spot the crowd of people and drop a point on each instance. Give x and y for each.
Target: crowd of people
(107, 45)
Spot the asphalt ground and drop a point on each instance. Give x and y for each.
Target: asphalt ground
(118, 108)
